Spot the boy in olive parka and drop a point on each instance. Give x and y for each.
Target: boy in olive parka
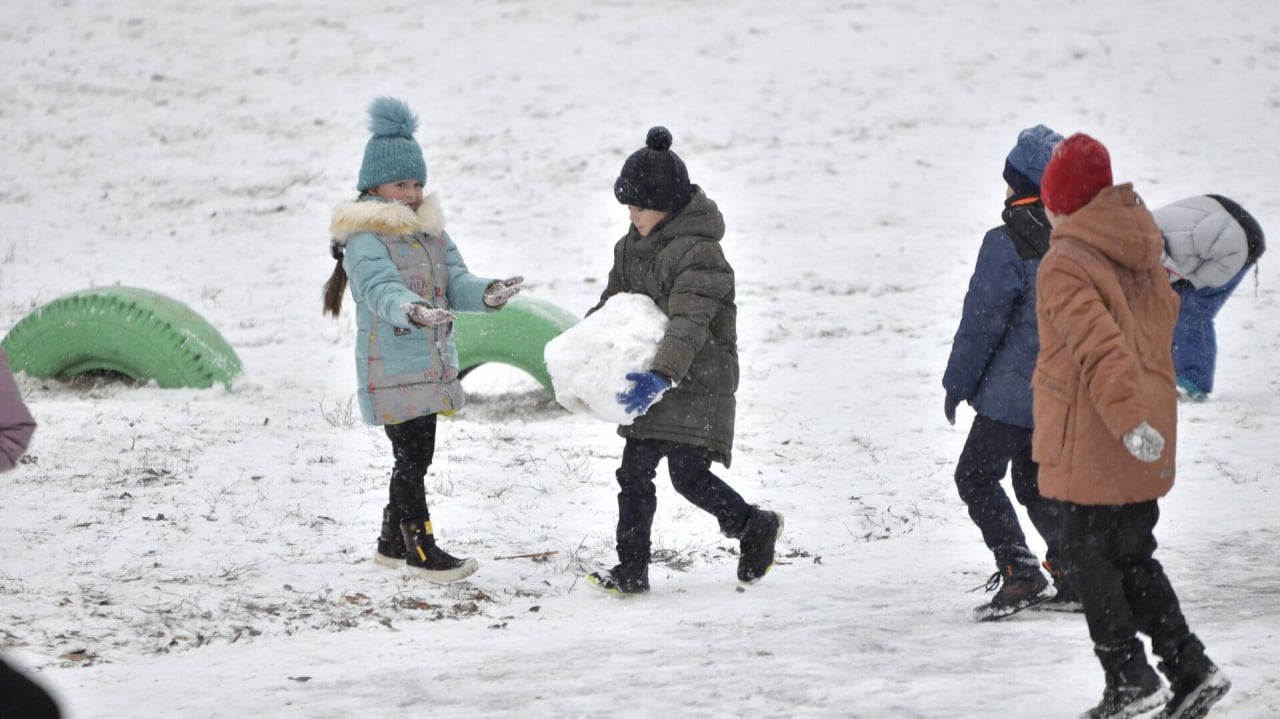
(685, 402)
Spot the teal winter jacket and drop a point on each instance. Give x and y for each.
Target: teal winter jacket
(394, 256)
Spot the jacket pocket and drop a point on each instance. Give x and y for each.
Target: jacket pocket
(404, 352)
(1052, 411)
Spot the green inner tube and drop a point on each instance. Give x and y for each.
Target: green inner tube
(516, 335)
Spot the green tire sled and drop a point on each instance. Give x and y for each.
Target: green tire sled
(138, 333)
(516, 335)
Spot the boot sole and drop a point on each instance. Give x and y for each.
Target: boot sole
(989, 613)
(386, 562)
(441, 576)
(612, 591)
(1199, 702)
(782, 523)
(1147, 703)
(1060, 607)
(1137, 707)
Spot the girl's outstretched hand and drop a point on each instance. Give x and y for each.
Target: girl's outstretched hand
(424, 316)
(497, 293)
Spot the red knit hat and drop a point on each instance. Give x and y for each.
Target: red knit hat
(1079, 169)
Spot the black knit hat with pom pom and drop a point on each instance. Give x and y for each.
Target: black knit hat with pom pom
(654, 178)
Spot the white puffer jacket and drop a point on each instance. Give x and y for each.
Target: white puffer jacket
(1203, 243)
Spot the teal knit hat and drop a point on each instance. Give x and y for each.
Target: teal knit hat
(391, 154)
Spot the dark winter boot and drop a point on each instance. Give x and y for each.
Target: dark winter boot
(23, 697)
(1064, 597)
(1196, 681)
(756, 544)
(390, 552)
(1133, 687)
(1018, 584)
(622, 580)
(424, 560)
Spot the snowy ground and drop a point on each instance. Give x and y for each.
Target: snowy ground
(204, 553)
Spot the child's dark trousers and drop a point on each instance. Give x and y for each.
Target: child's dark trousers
(690, 475)
(990, 450)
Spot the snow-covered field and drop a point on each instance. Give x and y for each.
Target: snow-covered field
(205, 553)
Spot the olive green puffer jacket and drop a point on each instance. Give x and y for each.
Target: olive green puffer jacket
(682, 267)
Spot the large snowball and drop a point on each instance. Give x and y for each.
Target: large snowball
(589, 362)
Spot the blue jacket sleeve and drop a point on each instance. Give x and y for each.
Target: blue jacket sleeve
(466, 291)
(376, 281)
(994, 289)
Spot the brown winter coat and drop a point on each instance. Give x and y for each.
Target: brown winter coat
(1106, 315)
(681, 266)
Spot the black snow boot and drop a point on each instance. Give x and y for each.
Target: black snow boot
(622, 580)
(1064, 597)
(1133, 687)
(1197, 682)
(424, 560)
(391, 551)
(23, 697)
(756, 544)
(1018, 584)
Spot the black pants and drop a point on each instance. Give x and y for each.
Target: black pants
(691, 477)
(1124, 590)
(991, 448)
(413, 443)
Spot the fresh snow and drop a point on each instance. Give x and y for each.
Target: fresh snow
(206, 553)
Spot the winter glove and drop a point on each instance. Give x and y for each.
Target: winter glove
(949, 408)
(647, 390)
(1144, 442)
(497, 293)
(424, 316)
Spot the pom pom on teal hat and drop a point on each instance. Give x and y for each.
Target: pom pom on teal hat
(391, 154)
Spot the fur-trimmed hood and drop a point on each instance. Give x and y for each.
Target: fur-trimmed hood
(384, 218)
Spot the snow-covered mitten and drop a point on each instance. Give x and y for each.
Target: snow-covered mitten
(1144, 442)
(647, 390)
(424, 316)
(497, 293)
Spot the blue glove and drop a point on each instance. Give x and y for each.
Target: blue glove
(648, 389)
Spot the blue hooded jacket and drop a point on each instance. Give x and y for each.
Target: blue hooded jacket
(994, 351)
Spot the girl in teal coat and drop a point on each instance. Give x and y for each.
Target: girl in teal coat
(407, 279)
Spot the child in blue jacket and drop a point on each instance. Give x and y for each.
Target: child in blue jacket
(407, 278)
(1211, 243)
(992, 359)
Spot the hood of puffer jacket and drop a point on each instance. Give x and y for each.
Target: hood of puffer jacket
(1203, 243)
(700, 217)
(1118, 224)
(376, 215)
